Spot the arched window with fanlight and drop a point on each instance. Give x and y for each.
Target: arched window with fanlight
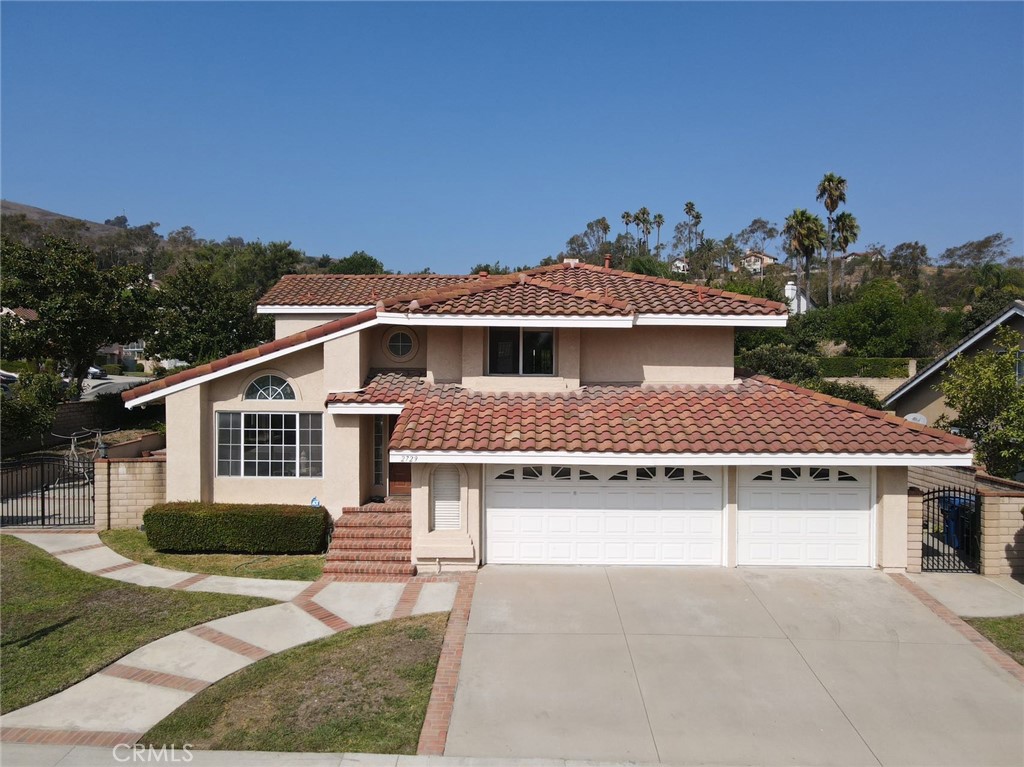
(269, 387)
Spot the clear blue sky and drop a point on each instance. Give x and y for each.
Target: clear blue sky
(446, 134)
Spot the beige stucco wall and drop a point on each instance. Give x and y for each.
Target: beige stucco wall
(288, 324)
(448, 549)
(189, 457)
(444, 355)
(345, 364)
(891, 520)
(657, 355)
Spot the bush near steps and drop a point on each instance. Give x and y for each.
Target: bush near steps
(208, 528)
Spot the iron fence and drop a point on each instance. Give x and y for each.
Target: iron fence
(951, 539)
(47, 490)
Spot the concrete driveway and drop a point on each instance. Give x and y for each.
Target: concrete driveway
(722, 666)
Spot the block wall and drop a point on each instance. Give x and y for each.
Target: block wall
(126, 487)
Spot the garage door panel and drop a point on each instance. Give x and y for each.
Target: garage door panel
(601, 522)
(805, 521)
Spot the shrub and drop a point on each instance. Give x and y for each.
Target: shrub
(858, 393)
(864, 367)
(779, 361)
(114, 370)
(204, 528)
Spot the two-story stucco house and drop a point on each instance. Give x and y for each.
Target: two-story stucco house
(569, 414)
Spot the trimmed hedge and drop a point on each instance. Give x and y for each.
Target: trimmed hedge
(113, 370)
(863, 367)
(239, 528)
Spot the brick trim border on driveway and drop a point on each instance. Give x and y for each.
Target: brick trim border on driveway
(434, 734)
(228, 642)
(953, 620)
(40, 737)
(159, 678)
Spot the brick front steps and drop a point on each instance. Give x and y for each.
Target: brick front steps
(372, 539)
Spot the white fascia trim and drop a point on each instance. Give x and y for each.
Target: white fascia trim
(255, 362)
(972, 339)
(722, 320)
(504, 320)
(297, 309)
(680, 459)
(364, 408)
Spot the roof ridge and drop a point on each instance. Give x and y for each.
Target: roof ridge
(868, 411)
(588, 295)
(448, 292)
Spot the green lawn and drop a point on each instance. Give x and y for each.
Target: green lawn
(365, 690)
(292, 567)
(1005, 633)
(59, 625)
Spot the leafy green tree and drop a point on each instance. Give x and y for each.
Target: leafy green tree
(31, 408)
(80, 306)
(987, 250)
(906, 261)
(648, 265)
(882, 321)
(360, 262)
(202, 315)
(988, 396)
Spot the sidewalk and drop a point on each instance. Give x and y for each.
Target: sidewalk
(974, 596)
(121, 702)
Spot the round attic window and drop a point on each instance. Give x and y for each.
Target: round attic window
(400, 344)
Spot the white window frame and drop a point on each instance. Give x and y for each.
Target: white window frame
(299, 462)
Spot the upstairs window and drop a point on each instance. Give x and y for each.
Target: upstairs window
(269, 387)
(521, 351)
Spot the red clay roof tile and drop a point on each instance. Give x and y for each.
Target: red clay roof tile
(755, 415)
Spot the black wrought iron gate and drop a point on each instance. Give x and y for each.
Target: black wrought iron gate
(45, 490)
(951, 539)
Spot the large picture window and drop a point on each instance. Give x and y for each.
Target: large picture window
(521, 351)
(269, 444)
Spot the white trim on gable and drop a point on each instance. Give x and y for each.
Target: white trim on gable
(365, 408)
(681, 459)
(319, 309)
(254, 362)
(975, 337)
(716, 320)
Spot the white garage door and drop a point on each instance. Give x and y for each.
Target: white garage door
(803, 515)
(603, 515)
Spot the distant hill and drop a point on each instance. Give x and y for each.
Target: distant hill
(48, 218)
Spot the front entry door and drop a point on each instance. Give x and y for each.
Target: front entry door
(399, 474)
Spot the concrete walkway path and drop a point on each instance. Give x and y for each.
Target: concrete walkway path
(974, 596)
(121, 702)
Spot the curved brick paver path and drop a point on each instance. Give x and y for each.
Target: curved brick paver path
(121, 702)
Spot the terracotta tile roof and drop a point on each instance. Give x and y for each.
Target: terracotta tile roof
(755, 415)
(250, 354)
(24, 313)
(353, 289)
(515, 294)
(655, 295)
(583, 284)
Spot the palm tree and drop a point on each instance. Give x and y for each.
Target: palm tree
(845, 231)
(831, 191)
(643, 223)
(804, 235)
(659, 221)
(627, 219)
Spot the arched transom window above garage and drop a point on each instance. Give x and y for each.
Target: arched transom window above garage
(567, 473)
(269, 387)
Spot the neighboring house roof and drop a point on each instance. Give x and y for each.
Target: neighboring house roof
(1014, 309)
(577, 292)
(757, 415)
(23, 313)
(353, 289)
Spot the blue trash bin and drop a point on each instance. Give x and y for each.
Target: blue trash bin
(954, 517)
